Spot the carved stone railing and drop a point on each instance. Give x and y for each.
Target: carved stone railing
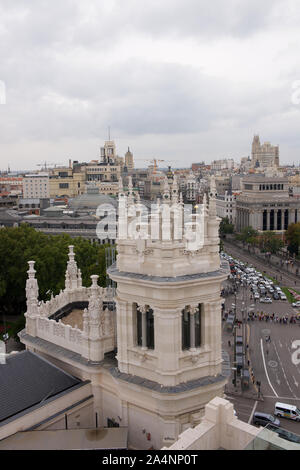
(60, 334)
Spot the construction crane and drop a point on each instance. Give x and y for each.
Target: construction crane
(44, 165)
(155, 165)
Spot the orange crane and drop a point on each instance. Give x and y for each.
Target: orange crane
(155, 165)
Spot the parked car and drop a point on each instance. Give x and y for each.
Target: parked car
(264, 418)
(265, 300)
(283, 297)
(276, 296)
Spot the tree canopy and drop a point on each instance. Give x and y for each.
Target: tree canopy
(18, 245)
(226, 226)
(270, 241)
(248, 235)
(292, 236)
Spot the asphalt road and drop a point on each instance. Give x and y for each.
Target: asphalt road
(272, 363)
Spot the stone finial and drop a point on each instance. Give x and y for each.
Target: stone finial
(166, 190)
(175, 189)
(79, 279)
(71, 278)
(95, 308)
(121, 189)
(213, 191)
(130, 191)
(32, 290)
(212, 198)
(130, 186)
(86, 322)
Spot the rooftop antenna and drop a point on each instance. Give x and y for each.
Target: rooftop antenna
(108, 132)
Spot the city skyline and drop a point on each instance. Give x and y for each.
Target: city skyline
(182, 81)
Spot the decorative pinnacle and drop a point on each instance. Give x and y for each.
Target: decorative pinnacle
(31, 271)
(94, 278)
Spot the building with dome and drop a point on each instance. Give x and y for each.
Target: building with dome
(151, 353)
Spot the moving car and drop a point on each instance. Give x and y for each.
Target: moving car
(296, 304)
(264, 418)
(285, 410)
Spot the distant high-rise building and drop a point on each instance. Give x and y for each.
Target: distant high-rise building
(129, 160)
(108, 152)
(264, 155)
(36, 186)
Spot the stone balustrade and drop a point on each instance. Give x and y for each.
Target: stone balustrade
(60, 334)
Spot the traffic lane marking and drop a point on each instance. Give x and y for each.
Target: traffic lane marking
(266, 372)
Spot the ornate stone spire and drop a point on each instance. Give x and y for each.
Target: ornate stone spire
(72, 277)
(32, 291)
(95, 308)
(130, 191)
(175, 189)
(79, 279)
(86, 327)
(121, 189)
(212, 198)
(166, 191)
(204, 202)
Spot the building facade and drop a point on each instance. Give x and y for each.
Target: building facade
(264, 155)
(36, 186)
(166, 327)
(266, 204)
(226, 207)
(67, 182)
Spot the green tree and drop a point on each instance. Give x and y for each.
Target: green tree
(270, 242)
(225, 227)
(292, 236)
(248, 235)
(18, 245)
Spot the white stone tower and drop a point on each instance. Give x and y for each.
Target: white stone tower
(168, 312)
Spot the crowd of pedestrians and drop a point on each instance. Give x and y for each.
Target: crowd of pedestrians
(271, 317)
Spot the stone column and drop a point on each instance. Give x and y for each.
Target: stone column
(282, 218)
(192, 328)
(123, 321)
(168, 341)
(143, 311)
(275, 218)
(268, 219)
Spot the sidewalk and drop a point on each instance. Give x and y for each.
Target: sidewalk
(228, 364)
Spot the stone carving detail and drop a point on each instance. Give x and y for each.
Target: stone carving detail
(73, 274)
(32, 291)
(98, 324)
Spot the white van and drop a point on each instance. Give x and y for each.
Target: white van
(287, 411)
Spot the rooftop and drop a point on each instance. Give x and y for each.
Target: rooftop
(26, 380)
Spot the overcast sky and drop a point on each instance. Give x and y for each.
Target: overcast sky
(179, 80)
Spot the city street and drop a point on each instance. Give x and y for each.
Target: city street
(271, 362)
